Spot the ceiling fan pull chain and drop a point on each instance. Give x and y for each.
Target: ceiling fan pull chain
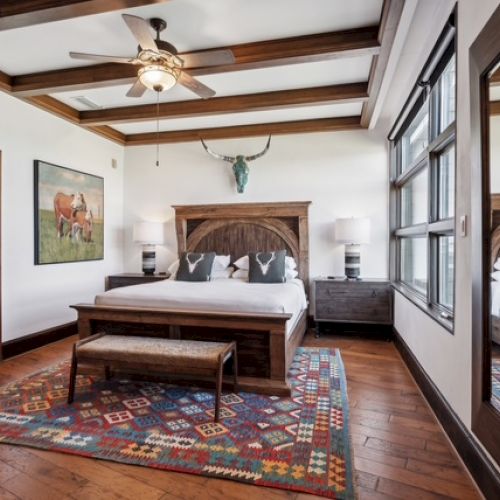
(157, 128)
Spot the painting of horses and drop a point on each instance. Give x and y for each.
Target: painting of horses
(69, 215)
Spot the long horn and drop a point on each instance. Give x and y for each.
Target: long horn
(262, 153)
(217, 155)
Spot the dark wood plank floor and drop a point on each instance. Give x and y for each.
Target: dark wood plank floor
(399, 449)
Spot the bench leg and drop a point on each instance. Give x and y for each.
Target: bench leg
(218, 388)
(72, 376)
(235, 369)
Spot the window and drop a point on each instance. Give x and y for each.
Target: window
(446, 96)
(415, 139)
(414, 200)
(423, 187)
(446, 183)
(445, 270)
(414, 263)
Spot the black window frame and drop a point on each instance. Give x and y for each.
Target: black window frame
(425, 93)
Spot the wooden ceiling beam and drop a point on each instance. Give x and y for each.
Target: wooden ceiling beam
(347, 93)
(5, 82)
(55, 107)
(391, 15)
(282, 128)
(266, 54)
(72, 115)
(19, 13)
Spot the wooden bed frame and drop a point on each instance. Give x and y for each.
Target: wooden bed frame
(264, 350)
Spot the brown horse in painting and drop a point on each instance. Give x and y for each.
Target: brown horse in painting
(65, 208)
(82, 225)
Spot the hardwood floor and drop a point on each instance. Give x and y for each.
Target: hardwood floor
(399, 448)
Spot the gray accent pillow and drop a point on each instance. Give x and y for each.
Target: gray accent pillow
(195, 266)
(267, 267)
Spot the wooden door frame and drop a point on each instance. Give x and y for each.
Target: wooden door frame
(484, 54)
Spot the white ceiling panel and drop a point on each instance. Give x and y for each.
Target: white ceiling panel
(271, 116)
(192, 25)
(317, 74)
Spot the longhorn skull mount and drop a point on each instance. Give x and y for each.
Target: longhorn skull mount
(239, 162)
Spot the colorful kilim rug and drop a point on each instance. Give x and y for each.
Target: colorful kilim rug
(299, 443)
(495, 383)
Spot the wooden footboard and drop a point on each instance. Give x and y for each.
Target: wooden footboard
(265, 353)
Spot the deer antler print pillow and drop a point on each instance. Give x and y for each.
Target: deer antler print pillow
(195, 266)
(267, 267)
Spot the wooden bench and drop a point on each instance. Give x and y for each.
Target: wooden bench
(155, 354)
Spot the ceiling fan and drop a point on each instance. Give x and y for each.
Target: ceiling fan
(161, 66)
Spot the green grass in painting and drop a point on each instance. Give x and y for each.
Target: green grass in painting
(54, 249)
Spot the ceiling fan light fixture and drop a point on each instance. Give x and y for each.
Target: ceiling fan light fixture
(157, 77)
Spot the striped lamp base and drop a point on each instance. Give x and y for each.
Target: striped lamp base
(148, 259)
(352, 261)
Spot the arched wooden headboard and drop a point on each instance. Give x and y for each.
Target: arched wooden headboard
(239, 228)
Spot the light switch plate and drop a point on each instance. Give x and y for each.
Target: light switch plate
(463, 226)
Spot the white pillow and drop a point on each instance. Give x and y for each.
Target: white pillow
(173, 268)
(496, 265)
(243, 263)
(496, 275)
(240, 274)
(221, 274)
(221, 262)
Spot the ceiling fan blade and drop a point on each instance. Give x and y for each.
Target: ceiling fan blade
(141, 30)
(195, 85)
(207, 58)
(137, 89)
(99, 58)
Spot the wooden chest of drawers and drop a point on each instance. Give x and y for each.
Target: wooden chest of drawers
(363, 301)
(128, 279)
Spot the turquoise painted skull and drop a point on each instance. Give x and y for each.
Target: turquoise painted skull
(241, 171)
(239, 162)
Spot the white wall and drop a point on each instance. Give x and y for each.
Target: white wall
(37, 297)
(446, 358)
(343, 173)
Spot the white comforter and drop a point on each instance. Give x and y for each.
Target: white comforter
(226, 295)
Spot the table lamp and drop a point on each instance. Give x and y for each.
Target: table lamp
(352, 232)
(148, 234)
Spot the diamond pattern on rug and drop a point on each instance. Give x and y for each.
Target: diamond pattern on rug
(299, 443)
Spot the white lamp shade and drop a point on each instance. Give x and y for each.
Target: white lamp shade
(148, 233)
(353, 231)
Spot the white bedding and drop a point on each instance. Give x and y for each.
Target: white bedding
(226, 295)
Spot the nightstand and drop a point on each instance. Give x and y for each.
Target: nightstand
(367, 301)
(128, 279)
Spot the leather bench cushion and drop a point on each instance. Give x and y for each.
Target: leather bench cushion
(158, 351)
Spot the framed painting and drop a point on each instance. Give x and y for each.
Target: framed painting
(69, 215)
